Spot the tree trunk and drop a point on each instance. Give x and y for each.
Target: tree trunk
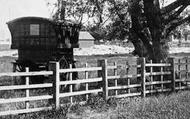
(160, 51)
(138, 35)
(154, 22)
(140, 48)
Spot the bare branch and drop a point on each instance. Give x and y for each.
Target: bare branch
(106, 20)
(121, 17)
(99, 11)
(175, 15)
(176, 24)
(174, 5)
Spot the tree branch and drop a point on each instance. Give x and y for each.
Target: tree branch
(106, 20)
(176, 24)
(174, 5)
(121, 16)
(153, 17)
(99, 11)
(175, 15)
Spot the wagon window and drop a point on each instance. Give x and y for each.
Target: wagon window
(34, 29)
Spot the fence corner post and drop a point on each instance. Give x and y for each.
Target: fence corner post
(55, 67)
(104, 74)
(172, 62)
(143, 76)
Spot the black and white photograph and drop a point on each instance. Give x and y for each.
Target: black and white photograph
(94, 59)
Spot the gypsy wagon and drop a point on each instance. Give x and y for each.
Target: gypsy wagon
(41, 40)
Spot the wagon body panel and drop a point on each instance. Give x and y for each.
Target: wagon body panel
(33, 33)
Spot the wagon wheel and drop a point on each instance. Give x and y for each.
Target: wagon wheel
(64, 65)
(19, 68)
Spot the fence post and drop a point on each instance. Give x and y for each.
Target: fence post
(143, 76)
(86, 84)
(55, 67)
(27, 90)
(172, 62)
(70, 86)
(104, 74)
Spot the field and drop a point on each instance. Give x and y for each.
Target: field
(4, 47)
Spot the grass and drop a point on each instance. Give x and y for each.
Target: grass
(174, 106)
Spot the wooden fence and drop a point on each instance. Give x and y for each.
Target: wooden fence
(149, 78)
(27, 98)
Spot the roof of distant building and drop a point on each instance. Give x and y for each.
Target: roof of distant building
(85, 35)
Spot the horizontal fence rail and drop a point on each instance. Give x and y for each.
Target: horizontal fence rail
(27, 73)
(147, 78)
(89, 80)
(19, 87)
(25, 99)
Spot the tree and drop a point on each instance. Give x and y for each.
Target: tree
(89, 13)
(149, 26)
(80, 11)
(148, 23)
(119, 20)
(152, 24)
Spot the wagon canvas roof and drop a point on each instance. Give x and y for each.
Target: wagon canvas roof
(29, 18)
(85, 35)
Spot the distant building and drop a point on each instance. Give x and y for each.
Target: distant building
(4, 44)
(85, 39)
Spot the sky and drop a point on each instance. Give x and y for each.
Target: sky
(11, 9)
